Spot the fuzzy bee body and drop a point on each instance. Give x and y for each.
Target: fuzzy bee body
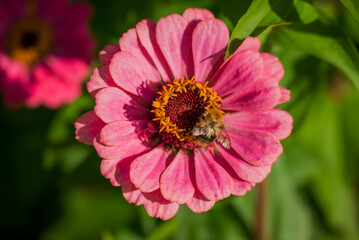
(210, 128)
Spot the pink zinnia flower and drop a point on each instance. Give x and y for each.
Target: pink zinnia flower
(162, 95)
(45, 51)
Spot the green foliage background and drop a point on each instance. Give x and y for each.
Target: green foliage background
(53, 189)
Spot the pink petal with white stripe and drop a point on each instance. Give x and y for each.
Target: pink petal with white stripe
(129, 42)
(128, 73)
(113, 104)
(107, 53)
(192, 14)
(211, 179)
(237, 73)
(146, 169)
(174, 43)
(274, 121)
(100, 78)
(177, 180)
(133, 194)
(146, 33)
(127, 149)
(244, 170)
(261, 95)
(209, 40)
(157, 206)
(199, 203)
(255, 147)
(272, 66)
(87, 126)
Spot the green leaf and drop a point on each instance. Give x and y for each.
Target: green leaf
(353, 7)
(306, 12)
(247, 23)
(326, 43)
(265, 13)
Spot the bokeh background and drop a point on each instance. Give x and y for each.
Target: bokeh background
(52, 187)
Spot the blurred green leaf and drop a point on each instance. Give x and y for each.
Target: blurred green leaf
(288, 214)
(326, 43)
(306, 12)
(88, 211)
(164, 230)
(353, 7)
(333, 200)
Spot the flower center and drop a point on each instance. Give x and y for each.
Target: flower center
(179, 107)
(28, 40)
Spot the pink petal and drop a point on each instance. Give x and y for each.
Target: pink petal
(108, 170)
(241, 187)
(117, 170)
(51, 90)
(263, 94)
(177, 180)
(244, 170)
(274, 121)
(237, 72)
(70, 69)
(133, 194)
(129, 42)
(146, 170)
(87, 126)
(72, 22)
(129, 148)
(191, 14)
(14, 8)
(212, 180)
(14, 80)
(174, 43)
(157, 206)
(51, 10)
(209, 40)
(249, 44)
(285, 95)
(100, 78)
(146, 33)
(74, 47)
(112, 104)
(272, 66)
(128, 73)
(255, 147)
(117, 133)
(199, 203)
(107, 53)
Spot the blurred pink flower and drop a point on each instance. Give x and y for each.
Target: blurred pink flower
(147, 105)
(45, 51)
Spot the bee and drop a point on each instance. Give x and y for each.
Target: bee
(210, 128)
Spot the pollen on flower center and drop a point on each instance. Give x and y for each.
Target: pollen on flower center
(178, 108)
(28, 41)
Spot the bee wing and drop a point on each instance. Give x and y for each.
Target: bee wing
(199, 131)
(224, 139)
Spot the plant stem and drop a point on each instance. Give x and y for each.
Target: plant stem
(260, 229)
